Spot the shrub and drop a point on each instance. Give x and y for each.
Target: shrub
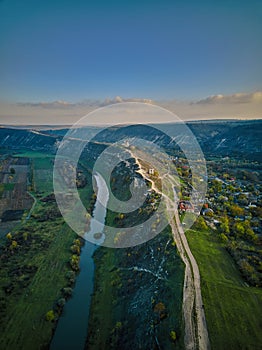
(50, 315)
(173, 336)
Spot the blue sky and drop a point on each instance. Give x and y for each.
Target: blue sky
(75, 50)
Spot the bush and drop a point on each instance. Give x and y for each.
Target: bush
(61, 302)
(200, 224)
(67, 292)
(75, 249)
(74, 262)
(173, 336)
(50, 315)
(71, 276)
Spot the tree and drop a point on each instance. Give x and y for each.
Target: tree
(236, 210)
(200, 224)
(77, 242)
(50, 315)
(224, 226)
(160, 311)
(224, 238)
(173, 336)
(242, 199)
(74, 262)
(121, 216)
(217, 186)
(13, 245)
(9, 236)
(25, 236)
(238, 229)
(67, 292)
(118, 325)
(61, 302)
(75, 249)
(12, 171)
(71, 276)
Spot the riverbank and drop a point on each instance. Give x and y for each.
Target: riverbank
(137, 299)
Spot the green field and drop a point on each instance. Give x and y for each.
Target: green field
(33, 154)
(47, 251)
(33, 273)
(43, 174)
(6, 187)
(233, 310)
(42, 168)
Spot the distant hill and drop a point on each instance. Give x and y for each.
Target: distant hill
(230, 138)
(222, 137)
(27, 139)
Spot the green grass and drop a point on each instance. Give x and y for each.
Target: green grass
(43, 163)
(42, 169)
(6, 187)
(102, 305)
(43, 174)
(25, 326)
(9, 187)
(33, 154)
(233, 310)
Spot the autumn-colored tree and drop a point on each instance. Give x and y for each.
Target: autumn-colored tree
(159, 307)
(77, 242)
(9, 236)
(25, 236)
(75, 249)
(217, 186)
(224, 226)
(200, 224)
(173, 336)
(236, 210)
(160, 311)
(224, 238)
(13, 245)
(50, 315)
(74, 262)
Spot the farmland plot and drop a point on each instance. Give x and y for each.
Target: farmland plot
(43, 174)
(14, 186)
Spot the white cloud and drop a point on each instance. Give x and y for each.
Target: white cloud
(54, 104)
(119, 99)
(235, 98)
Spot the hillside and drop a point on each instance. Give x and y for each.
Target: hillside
(222, 138)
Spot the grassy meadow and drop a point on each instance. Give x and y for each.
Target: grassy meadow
(233, 310)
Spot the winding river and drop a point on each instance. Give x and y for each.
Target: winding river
(71, 330)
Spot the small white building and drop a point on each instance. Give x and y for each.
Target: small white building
(151, 171)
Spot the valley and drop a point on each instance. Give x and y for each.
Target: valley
(138, 297)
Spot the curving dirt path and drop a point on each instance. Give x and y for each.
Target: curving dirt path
(192, 295)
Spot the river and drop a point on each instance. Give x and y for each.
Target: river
(71, 330)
